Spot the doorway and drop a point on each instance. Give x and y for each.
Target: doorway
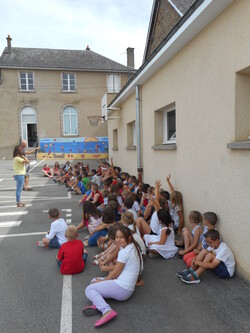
(29, 126)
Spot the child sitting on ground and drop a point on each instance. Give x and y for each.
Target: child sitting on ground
(217, 257)
(210, 220)
(71, 257)
(191, 240)
(91, 217)
(47, 171)
(56, 235)
(80, 187)
(95, 196)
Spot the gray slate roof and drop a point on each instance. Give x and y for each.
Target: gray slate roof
(59, 59)
(183, 5)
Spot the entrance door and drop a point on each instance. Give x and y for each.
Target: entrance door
(29, 126)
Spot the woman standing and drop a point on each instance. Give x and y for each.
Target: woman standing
(19, 162)
(120, 282)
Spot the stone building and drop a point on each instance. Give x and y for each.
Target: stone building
(49, 93)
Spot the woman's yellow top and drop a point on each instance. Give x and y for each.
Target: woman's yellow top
(19, 166)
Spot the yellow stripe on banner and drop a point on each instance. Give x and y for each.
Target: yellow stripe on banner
(84, 156)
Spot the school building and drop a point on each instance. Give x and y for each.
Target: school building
(49, 93)
(186, 112)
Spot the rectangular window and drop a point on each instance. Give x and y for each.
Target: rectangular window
(26, 81)
(169, 128)
(113, 83)
(115, 139)
(165, 125)
(131, 134)
(68, 82)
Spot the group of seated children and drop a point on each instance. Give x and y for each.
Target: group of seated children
(152, 219)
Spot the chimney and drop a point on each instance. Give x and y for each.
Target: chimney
(130, 57)
(9, 43)
(87, 48)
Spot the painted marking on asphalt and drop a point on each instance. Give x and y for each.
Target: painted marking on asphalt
(66, 310)
(13, 213)
(1, 180)
(34, 199)
(68, 215)
(68, 221)
(69, 195)
(13, 188)
(10, 224)
(12, 206)
(45, 211)
(36, 165)
(25, 234)
(67, 210)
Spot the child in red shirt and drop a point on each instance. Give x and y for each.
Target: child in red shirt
(71, 257)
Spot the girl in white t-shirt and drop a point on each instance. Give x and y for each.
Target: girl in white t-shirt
(120, 282)
(163, 243)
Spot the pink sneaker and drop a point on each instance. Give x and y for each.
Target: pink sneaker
(106, 319)
(90, 310)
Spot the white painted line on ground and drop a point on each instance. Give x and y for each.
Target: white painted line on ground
(36, 165)
(34, 199)
(67, 210)
(1, 180)
(21, 235)
(68, 221)
(13, 188)
(68, 215)
(66, 310)
(45, 211)
(12, 206)
(10, 224)
(13, 213)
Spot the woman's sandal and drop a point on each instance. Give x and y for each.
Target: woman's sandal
(95, 263)
(21, 204)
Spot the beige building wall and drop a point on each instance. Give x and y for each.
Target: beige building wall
(48, 101)
(212, 109)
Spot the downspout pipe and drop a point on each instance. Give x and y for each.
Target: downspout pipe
(138, 134)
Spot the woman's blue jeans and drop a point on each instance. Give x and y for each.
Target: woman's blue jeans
(19, 186)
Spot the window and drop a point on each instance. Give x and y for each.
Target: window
(113, 83)
(131, 134)
(115, 139)
(68, 82)
(70, 121)
(169, 129)
(165, 127)
(26, 81)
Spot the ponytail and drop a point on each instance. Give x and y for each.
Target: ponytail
(168, 231)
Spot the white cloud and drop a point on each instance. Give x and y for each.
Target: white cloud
(109, 27)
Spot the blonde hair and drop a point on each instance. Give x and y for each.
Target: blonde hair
(176, 199)
(71, 232)
(128, 219)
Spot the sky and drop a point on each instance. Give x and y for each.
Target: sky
(108, 27)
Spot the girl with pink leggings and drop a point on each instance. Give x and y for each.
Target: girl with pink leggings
(120, 282)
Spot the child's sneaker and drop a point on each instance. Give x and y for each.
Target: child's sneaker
(40, 244)
(183, 273)
(193, 277)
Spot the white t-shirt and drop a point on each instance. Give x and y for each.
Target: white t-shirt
(131, 210)
(58, 228)
(155, 224)
(224, 254)
(136, 206)
(96, 180)
(131, 227)
(173, 211)
(128, 277)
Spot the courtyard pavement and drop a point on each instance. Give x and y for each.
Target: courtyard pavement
(36, 298)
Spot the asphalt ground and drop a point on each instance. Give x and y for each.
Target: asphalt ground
(35, 297)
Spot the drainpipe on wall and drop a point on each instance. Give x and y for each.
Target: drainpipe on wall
(138, 134)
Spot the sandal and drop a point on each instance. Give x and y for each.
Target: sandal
(21, 204)
(95, 263)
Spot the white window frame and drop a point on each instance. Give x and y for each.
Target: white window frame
(134, 134)
(67, 87)
(113, 86)
(167, 139)
(70, 125)
(27, 83)
(115, 138)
